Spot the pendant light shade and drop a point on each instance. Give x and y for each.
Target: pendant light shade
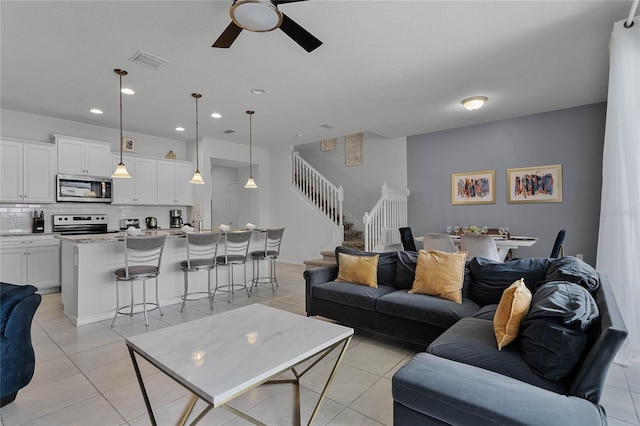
(121, 171)
(250, 182)
(197, 177)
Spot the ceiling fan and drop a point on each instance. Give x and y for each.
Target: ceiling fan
(263, 16)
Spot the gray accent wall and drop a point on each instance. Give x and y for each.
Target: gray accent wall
(573, 137)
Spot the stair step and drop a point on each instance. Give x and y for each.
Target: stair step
(314, 263)
(355, 244)
(352, 235)
(328, 255)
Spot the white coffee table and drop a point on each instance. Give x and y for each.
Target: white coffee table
(222, 356)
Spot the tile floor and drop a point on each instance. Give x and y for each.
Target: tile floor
(84, 374)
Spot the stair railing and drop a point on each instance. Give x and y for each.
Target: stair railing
(386, 217)
(317, 189)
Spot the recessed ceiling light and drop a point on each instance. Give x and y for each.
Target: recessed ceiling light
(299, 135)
(179, 129)
(127, 91)
(258, 91)
(475, 102)
(95, 111)
(216, 115)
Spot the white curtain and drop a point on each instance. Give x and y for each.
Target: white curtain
(619, 237)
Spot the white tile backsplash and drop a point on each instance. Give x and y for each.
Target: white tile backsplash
(18, 218)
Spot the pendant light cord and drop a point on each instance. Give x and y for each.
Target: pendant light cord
(250, 146)
(196, 95)
(120, 74)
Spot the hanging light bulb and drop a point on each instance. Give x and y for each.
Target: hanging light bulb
(250, 182)
(121, 171)
(197, 177)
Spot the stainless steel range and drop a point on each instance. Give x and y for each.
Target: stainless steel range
(74, 224)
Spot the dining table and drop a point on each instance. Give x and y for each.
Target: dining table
(504, 244)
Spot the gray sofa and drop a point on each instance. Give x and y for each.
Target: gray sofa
(462, 378)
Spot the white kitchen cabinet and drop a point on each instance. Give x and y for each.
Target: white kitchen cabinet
(78, 156)
(173, 183)
(27, 171)
(142, 187)
(31, 260)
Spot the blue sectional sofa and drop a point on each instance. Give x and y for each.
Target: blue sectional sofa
(553, 373)
(18, 304)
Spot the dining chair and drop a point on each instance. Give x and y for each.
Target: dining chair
(142, 258)
(202, 249)
(558, 246)
(272, 241)
(479, 246)
(236, 249)
(439, 241)
(406, 236)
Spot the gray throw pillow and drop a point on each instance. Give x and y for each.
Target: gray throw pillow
(554, 334)
(575, 271)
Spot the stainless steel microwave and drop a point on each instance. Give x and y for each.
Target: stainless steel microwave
(83, 189)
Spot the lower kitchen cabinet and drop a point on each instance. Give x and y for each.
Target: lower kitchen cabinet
(35, 261)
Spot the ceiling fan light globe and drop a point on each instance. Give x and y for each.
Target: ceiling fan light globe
(256, 15)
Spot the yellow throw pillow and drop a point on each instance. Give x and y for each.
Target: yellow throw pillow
(440, 274)
(513, 307)
(361, 270)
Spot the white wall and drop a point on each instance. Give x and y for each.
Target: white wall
(384, 160)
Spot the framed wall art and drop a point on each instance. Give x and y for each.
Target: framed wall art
(329, 144)
(128, 144)
(473, 187)
(353, 149)
(539, 184)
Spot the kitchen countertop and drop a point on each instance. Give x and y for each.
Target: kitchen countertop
(119, 236)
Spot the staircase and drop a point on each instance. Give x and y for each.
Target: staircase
(352, 238)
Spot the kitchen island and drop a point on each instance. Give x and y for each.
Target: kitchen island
(88, 263)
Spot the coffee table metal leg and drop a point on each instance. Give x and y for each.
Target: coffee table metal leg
(188, 410)
(329, 380)
(142, 388)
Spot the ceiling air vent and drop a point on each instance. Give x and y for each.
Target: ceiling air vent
(148, 60)
(328, 126)
(228, 132)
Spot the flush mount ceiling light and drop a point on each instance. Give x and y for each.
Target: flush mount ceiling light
(128, 91)
(250, 182)
(179, 129)
(216, 115)
(258, 91)
(475, 102)
(256, 15)
(197, 177)
(121, 171)
(95, 111)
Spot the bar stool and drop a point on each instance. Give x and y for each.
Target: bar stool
(142, 257)
(271, 252)
(236, 249)
(202, 250)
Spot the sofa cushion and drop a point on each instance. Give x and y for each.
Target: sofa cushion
(426, 309)
(386, 263)
(440, 274)
(362, 270)
(512, 308)
(575, 271)
(491, 278)
(472, 341)
(406, 272)
(554, 335)
(487, 312)
(359, 296)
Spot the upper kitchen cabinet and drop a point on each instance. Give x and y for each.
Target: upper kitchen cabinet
(173, 183)
(83, 157)
(141, 188)
(27, 171)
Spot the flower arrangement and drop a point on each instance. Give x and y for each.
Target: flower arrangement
(475, 230)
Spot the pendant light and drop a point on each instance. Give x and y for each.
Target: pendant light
(250, 182)
(197, 177)
(121, 171)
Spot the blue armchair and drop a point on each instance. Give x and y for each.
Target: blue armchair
(18, 304)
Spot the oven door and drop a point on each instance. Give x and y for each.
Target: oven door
(85, 189)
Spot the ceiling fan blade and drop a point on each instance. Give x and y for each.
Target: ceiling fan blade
(298, 34)
(228, 36)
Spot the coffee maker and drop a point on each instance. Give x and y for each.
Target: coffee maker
(175, 218)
